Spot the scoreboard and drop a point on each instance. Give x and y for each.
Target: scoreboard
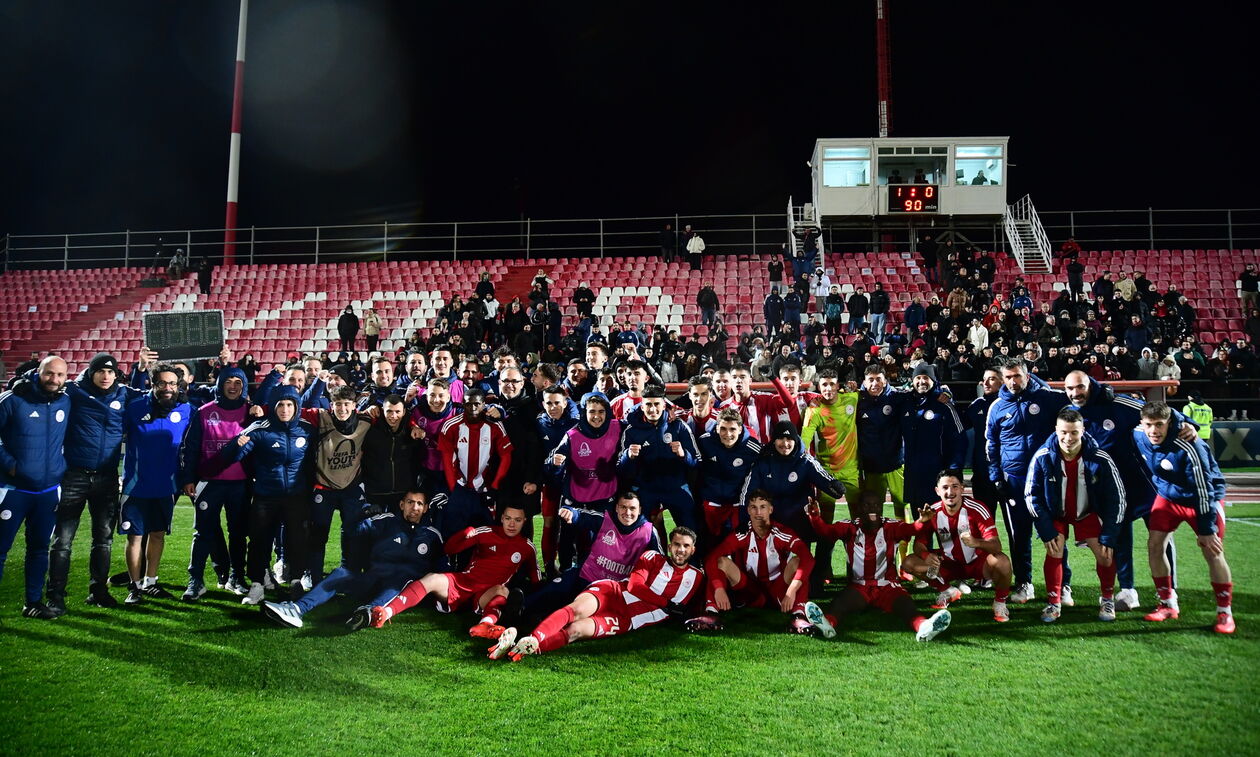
(184, 334)
(914, 198)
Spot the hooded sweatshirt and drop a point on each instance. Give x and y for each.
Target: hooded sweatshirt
(789, 479)
(212, 427)
(589, 473)
(281, 449)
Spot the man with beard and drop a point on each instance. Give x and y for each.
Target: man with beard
(476, 457)
(214, 488)
(93, 445)
(414, 372)
(382, 383)
(32, 435)
(155, 424)
(393, 448)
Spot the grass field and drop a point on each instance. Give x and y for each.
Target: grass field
(216, 678)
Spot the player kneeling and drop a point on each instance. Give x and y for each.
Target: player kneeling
(657, 588)
(969, 547)
(499, 552)
(873, 575)
(764, 566)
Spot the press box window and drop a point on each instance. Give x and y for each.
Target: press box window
(846, 166)
(978, 165)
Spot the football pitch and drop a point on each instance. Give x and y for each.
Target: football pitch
(217, 678)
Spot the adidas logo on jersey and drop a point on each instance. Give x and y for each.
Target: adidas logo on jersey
(275, 444)
(492, 546)
(398, 540)
(34, 414)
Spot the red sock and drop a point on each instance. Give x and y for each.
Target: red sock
(916, 622)
(550, 633)
(493, 609)
(549, 539)
(1107, 579)
(410, 596)
(1001, 593)
(1054, 578)
(1224, 595)
(1163, 587)
(741, 583)
(937, 583)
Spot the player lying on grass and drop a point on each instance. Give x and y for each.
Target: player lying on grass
(871, 540)
(1073, 484)
(1189, 488)
(765, 565)
(403, 546)
(498, 553)
(970, 549)
(659, 587)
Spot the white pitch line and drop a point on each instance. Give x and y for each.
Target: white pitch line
(1244, 522)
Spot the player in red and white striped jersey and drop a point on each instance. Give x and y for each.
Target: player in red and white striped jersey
(636, 380)
(760, 410)
(871, 541)
(970, 547)
(476, 457)
(657, 588)
(763, 566)
(499, 552)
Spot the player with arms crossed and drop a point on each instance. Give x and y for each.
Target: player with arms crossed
(970, 548)
(764, 565)
(658, 587)
(873, 579)
(1189, 488)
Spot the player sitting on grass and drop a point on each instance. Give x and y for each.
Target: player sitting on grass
(970, 548)
(762, 566)
(498, 553)
(873, 576)
(658, 587)
(404, 546)
(1073, 483)
(1189, 488)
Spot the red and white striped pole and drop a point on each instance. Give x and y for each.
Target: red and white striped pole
(234, 151)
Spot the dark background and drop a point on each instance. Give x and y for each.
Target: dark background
(116, 115)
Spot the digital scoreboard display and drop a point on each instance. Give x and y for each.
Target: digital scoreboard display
(913, 198)
(184, 334)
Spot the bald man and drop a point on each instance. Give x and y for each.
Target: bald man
(33, 419)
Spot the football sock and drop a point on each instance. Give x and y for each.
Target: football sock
(1054, 579)
(1107, 579)
(1224, 597)
(742, 583)
(550, 633)
(494, 608)
(1163, 587)
(549, 538)
(1001, 594)
(937, 583)
(411, 595)
(917, 621)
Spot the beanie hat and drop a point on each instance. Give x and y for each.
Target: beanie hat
(925, 369)
(102, 361)
(342, 370)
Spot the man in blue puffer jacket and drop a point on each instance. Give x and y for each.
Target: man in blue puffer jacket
(32, 433)
(1073, 484)
(934, 439)
(281, 446)
(94, 439)
(1189, 488)
(656, 455)
(1018, 423)
(403, 546)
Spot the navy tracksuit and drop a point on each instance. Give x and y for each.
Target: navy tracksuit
(661, 474)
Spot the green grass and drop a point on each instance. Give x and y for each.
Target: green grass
(216, 678)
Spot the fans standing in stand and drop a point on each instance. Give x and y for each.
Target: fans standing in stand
(372, 325)
(348, 329)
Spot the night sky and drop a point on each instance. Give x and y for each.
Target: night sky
(116, 114)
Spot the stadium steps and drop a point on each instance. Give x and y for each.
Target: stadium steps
(517, 282)
(58, 333)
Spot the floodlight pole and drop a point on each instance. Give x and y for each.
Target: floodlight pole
(234, 150)
(883, 51)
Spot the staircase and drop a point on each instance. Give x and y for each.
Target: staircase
(799, 218)
(517, 283)
(46, 341)
(1026, 237)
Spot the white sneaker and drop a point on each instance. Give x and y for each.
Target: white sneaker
(815, 615)
(504, 645)
(1051, 613)
(284, 613)
(1001, 613)
(1106, 609)
(1023, 594)
(254, 596)
(963, 586)
(932, 627)
(1065, 597)
(307, 582)
(269, 582)
(1127, 599)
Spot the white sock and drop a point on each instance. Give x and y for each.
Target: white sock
(148, 581)
(1226, 610)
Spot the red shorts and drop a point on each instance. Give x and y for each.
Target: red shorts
(880, 597)
(953, 570)
(717, 517)
(1167, 516)
(619, 612)
(1089, 527)
(550, 501)
(757, 593)
(462, 593)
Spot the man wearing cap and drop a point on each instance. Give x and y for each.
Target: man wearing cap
(94, 435)
(934, 438)
(32, 434)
